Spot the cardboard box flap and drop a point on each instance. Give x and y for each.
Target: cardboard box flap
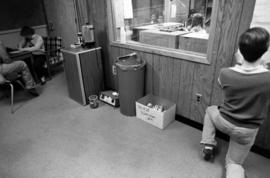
(156, 101)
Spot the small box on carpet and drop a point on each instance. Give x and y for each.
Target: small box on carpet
(155, 110)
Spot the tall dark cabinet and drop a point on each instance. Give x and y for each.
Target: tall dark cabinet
(84, 73)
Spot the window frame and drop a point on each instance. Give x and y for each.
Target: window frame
(215, 32)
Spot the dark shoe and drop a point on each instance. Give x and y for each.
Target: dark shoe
(33, 92)
(208, 152)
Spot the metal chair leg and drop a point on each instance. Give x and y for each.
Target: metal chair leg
(12, 97)
(48, 66)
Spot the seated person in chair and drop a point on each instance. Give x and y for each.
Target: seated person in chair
(9, 68)
(34, 43)
(246, 103)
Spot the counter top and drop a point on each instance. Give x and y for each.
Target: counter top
(79, 50)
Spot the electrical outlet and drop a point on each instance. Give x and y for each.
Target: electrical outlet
(198, 97)
(114, 70)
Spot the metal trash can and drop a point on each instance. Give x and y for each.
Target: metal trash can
(131, 74)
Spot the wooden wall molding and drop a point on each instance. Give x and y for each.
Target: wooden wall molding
(174, 53)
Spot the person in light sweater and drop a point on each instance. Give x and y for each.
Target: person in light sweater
(10, 68)
(246, 103)
(34, 43)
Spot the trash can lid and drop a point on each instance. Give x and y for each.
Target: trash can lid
(130, 62)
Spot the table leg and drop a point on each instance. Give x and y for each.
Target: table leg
(33, 69)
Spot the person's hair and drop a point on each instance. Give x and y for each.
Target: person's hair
(27, 31)
(197, 20)
(254, 43)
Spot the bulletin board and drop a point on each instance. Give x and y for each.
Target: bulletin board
(17, 13)
(261, 18)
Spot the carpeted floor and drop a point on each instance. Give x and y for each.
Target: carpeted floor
(52, 136)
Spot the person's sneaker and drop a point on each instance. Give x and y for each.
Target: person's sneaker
(208, 152)
(33, 92)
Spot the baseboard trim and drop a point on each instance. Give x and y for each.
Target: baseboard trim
(199, 126)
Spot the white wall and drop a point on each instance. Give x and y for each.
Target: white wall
(10, 38)
(261, 18)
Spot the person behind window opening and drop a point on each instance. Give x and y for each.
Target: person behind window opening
(34, 43)
(197, 21)
(9, 68)
(246, 103)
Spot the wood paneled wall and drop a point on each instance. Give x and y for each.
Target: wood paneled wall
(177, 79)
(167, 77)
(174, 78)
(99, 18)
(180, 80)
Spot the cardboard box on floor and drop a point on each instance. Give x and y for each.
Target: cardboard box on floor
(151, 115)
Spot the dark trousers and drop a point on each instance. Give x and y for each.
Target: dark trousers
(39, 61)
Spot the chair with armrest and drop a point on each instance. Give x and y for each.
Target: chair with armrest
(53, 53)
(10, 82)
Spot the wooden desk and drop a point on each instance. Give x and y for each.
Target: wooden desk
(27, 57)
(16, 55)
